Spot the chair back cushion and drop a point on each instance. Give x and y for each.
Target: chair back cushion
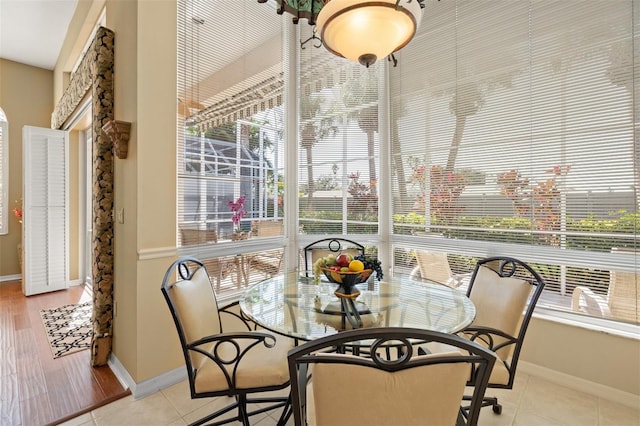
(196, 306)
(500, 302)
(347, 394)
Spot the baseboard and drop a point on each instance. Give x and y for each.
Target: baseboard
(10, 277)
(582, 385)
(145, 387)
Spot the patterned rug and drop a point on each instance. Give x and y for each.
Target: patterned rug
(68, 328)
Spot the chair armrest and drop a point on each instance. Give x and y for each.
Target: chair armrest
(486, 336)
(203, 346)
(415, 274)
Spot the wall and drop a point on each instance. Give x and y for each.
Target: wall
(595, 356)
(26, 96)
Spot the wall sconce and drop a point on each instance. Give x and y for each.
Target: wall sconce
(118, 132)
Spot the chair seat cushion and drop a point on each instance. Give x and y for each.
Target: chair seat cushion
(260, 367)
(499, 373)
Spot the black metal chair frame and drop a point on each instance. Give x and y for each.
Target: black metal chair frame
(185, 272)
(404, 340)
(507, 267)
(334, 245)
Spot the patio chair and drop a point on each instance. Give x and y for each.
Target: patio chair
(270, 261)
(434, 266)
(333, 388)
(223, 363)
(324, 247)
(622, 301)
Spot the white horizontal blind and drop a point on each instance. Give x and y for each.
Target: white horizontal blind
(515, 125)
(230, 141)
(4, 173)
(338, 142)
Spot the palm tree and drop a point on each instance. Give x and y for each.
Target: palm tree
(360, 97)
(313, 130)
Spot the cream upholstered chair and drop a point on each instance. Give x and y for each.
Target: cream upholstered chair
(333, 388)
(505, 292)
(219, 362)
(324, 247)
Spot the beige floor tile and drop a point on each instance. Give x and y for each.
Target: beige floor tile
(611, 413)
(213, 405)
(153, 410)
(179, 396)
(511, 396)
(489, 418)
(82, 420)
(529, 418)
(179, 422)
(557, 404)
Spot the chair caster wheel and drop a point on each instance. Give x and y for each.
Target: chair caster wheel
(497, 409)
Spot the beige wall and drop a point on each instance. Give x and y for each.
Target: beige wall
(26, 96)
(144, 183)
(595, 356)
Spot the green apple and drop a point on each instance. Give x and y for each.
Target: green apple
(330, 260)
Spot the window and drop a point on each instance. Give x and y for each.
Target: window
(511, 132)
(231, 138)
(515, 125)
(338, 143)
(4, 173)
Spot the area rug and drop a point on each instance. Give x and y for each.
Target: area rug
(68, 328)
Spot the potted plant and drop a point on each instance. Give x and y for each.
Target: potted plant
(238, 212)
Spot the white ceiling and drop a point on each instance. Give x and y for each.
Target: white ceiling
(32, 31)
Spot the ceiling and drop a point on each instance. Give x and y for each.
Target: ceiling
(32, 31)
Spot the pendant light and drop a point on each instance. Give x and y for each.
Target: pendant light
(364, 30)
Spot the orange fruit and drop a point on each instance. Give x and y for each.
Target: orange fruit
(356, 266)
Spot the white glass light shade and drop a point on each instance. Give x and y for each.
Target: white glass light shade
(366, 30)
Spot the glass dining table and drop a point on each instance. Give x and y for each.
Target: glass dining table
(295, 306)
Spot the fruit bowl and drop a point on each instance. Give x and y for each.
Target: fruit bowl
(346, 279)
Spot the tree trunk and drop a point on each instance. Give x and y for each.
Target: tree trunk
(373, 177)
(455, 144)
(310, 182)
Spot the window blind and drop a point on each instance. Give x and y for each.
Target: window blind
(513, 133)
(338, 142)
(230, 148)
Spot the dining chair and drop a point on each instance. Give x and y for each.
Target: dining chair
(505, 291)
(223, 362)
(333, 388)
(326, 246)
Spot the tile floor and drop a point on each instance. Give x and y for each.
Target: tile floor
(532, 402)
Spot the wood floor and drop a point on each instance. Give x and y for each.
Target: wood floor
(36, 389)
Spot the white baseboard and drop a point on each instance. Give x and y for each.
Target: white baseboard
(149, 386)
(582, 385)
(10, 277)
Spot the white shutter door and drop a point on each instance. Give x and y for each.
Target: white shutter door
(45, 230)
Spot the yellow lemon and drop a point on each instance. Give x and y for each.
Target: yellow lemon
(356, 266)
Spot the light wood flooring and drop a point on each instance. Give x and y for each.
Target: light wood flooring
(35, 388)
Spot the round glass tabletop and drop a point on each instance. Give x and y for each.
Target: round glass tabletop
(295, 306)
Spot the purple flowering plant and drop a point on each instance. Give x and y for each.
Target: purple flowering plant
(237, 208)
